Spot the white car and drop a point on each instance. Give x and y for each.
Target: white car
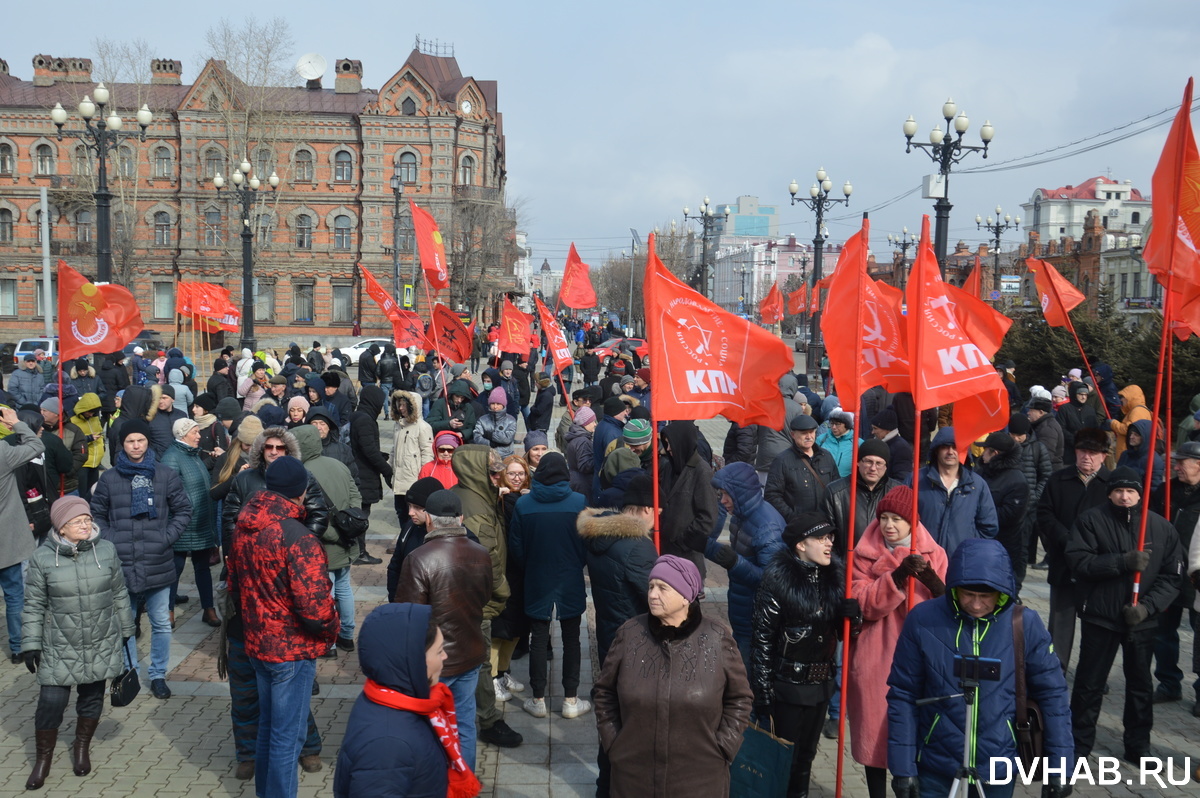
(353, 352)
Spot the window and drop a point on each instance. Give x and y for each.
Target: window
(304, 231)
(466, 171)
(304, 166)
(264, 300)
(120, 226)
(6, 226)
(302, 301)
(407, 169)
(164, 301)
(1137, 285)
(126, 163)
(341, 232)
(264, 163)
(6, 159)
(83, 226)
(162, 229)
(39, 296)
(38, 226)
(212, 163)
(408, 107)
(80, 162)
(265, 231)
(343, 303)
(343, 167)
(212, 228)
(45, 159)
(8, 297)
(1135, 217)
(162, 162)
(1124, 285)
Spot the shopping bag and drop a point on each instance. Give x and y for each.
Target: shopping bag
(762, 765)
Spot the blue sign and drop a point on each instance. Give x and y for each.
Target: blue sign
(994, 296)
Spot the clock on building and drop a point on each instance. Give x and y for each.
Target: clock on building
(465, 105)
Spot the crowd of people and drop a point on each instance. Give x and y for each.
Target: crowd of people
(265, 477)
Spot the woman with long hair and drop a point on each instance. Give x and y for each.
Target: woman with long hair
(511, 626)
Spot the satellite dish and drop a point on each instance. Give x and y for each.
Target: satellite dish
(311, 66)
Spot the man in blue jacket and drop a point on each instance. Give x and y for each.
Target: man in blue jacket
(954, 502)
(973, 619)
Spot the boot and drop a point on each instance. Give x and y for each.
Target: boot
(44, 742)
(365, 558)
(81, 757)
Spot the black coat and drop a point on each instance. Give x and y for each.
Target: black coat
(1073, 417)
(1063, 501)
(1104, 585)
(689, 503)
(741, 444)
(620, 554)
(364, 442)
(542, 410)
(220, 386)
(791, 487)
(249, 482)
(388, 368)
(114, 378)
(367, 370)
(836, 506)
(1049, 432)
(900, 458)
(589, 364)
(1185, 514)
(1010, 494)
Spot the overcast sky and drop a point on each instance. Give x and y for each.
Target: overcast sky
(617, 114)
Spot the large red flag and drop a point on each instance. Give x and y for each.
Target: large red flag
(946, 364)
(797, 300)
(556, 339)
(448, 335)
(408, 329)
(974, 283)
(770, 310)
(183, 298)
(430, 247)
(382, 297)
(707, 361)
(983, 324)
(93, 318)
(1174, 235)
(1058, 296)
(576, 290)
(515, 328)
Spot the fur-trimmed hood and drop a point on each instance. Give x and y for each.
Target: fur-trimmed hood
(141, 401)
(255, 455)
(600, 522)
(414, 406)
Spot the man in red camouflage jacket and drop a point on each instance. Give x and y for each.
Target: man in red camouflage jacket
(278, 576)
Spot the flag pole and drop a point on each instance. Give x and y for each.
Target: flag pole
(912, 585)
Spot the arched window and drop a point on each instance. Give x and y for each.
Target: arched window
(263, 225)
(304, 228)
(6, 224)
(342, 237)
(212, 163)
(45, 159)
(1135, 217)
(343, 167)
(6, 159)
(304, 167)
(408, 107)
(408, 168)
(212, 228)
(264, 163)
(83, 226)
(162, 229)
(466, 171)
(37, 222)
(162, 162)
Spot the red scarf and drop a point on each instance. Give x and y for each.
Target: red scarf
(439, 708)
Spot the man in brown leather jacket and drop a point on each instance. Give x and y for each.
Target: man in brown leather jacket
(453, 575)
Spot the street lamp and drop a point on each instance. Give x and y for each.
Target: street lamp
(945, 150)
(246, 195)
(819, 202)
(708, 230)
(903, 242)
(744, 271)
(397, 196)
(996, 227)
(100, 138)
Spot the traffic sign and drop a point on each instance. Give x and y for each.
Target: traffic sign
(994, 296)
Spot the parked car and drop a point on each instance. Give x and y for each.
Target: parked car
(354, 351)
(27, 346)
(149, 340)
(612, 346)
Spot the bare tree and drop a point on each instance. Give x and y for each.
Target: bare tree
(484, 248)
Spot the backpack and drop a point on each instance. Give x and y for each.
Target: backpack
(31, 482)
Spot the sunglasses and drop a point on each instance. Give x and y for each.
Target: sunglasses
(446, 450)
(275, 447)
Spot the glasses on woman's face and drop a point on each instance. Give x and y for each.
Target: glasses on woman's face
(446, 450)
(515, 476)
(274, 447)
(79, 523)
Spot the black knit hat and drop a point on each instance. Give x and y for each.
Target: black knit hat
(613, 406)
(1125, 477)
(874, 447)
(1001, 442)
(552, 469)
(220, 363)
(287, 476)
(207, 401)
(133, 426)
(639, 492)
(1018, 424)
(886, 419)
(420, 491)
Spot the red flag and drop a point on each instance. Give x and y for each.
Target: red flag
(979, 414)
(556, 339)
(448, 334)
(576, 290)
(382, 297)
(797, 300)
(707, 361)
(770, 310)
(183, 298)
(1057, 295)
(974, 283)
(93, 318)
(408, 329)
(430, 247)
(946, 364)
(515, 328)
(1174, 235)
(983, 324)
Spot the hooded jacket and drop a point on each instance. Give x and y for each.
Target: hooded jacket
(620, 554)
(113, 376)
(842, 449)
(542, 540)
(689, 503)
(497, 430)
(440, 413)
(1072, 417)
(542, 409)
(481, 515)
(367, 367)
(338, 486)
(89, 384)
(183, 394)
(579, 458)
(90, 427)
(773, 442)
(954, 516)
(929, 738)
(1133, 408)
(608, 429)
(1136, 457)
(389, 751)
(387, 368)
(412, 443)
(332, 444)
(364, 442)
(1050, 433)
(139, 401)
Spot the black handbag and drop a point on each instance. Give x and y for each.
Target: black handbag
(126, 686)
(1030, 723)
(350, 524)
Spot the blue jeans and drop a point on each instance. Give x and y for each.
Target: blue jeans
(284, 695)
(343, 595)
(463, 688)
(935, 785)
(13, 583)
(158, 609)
(387, 399)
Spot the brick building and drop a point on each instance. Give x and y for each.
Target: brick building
(335, 152)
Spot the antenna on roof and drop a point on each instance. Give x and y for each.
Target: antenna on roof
(433, 47)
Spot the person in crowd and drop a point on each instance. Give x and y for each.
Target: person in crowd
(884, 427)
(543, 404)
(373, 465)
(25, 384)
(388, 371)
(668, 726)
(579, 399)
(1103, 555)
(412, 445)
(1133, 408)
(368, 367)
(536, 445)
(1074, 415)
(73, 439)
(214, 437)
(497, 428)
(59, 465)
(331, 438)
(1137, 453)
(954, 502)
(182, 394)
(1047, 429)
(974, 618)
(412, 529)
(76, 618)
(199, 537)
(1001, 470)
(589, 367)
(579, 450)
(1184, 515)
(278, 579)
(453, 575)
(688, 501)
(874, 482)
(114, 377)
(405, 720)
(440, 467)
(220, 383)
(142, 508)
(85, 379)
(511, 627)
(162, 422)
(798, 620)
(254, 387)
(838, 440)
(1069, 493)
(457, 415)
(297, 411)
(800, 474)
(891, 553)
(1035, 466)
(543, 542)
(609, 429)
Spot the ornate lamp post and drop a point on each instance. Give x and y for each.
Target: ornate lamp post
(708, 231)
(100, 138)
(945, 150)
(819, 201)
(903, 242)
(246, 195)
(397, 196)
(996, 227)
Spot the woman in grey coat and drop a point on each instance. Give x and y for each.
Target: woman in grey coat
(76, 619)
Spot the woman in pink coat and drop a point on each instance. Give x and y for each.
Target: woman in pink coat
(890, 551)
